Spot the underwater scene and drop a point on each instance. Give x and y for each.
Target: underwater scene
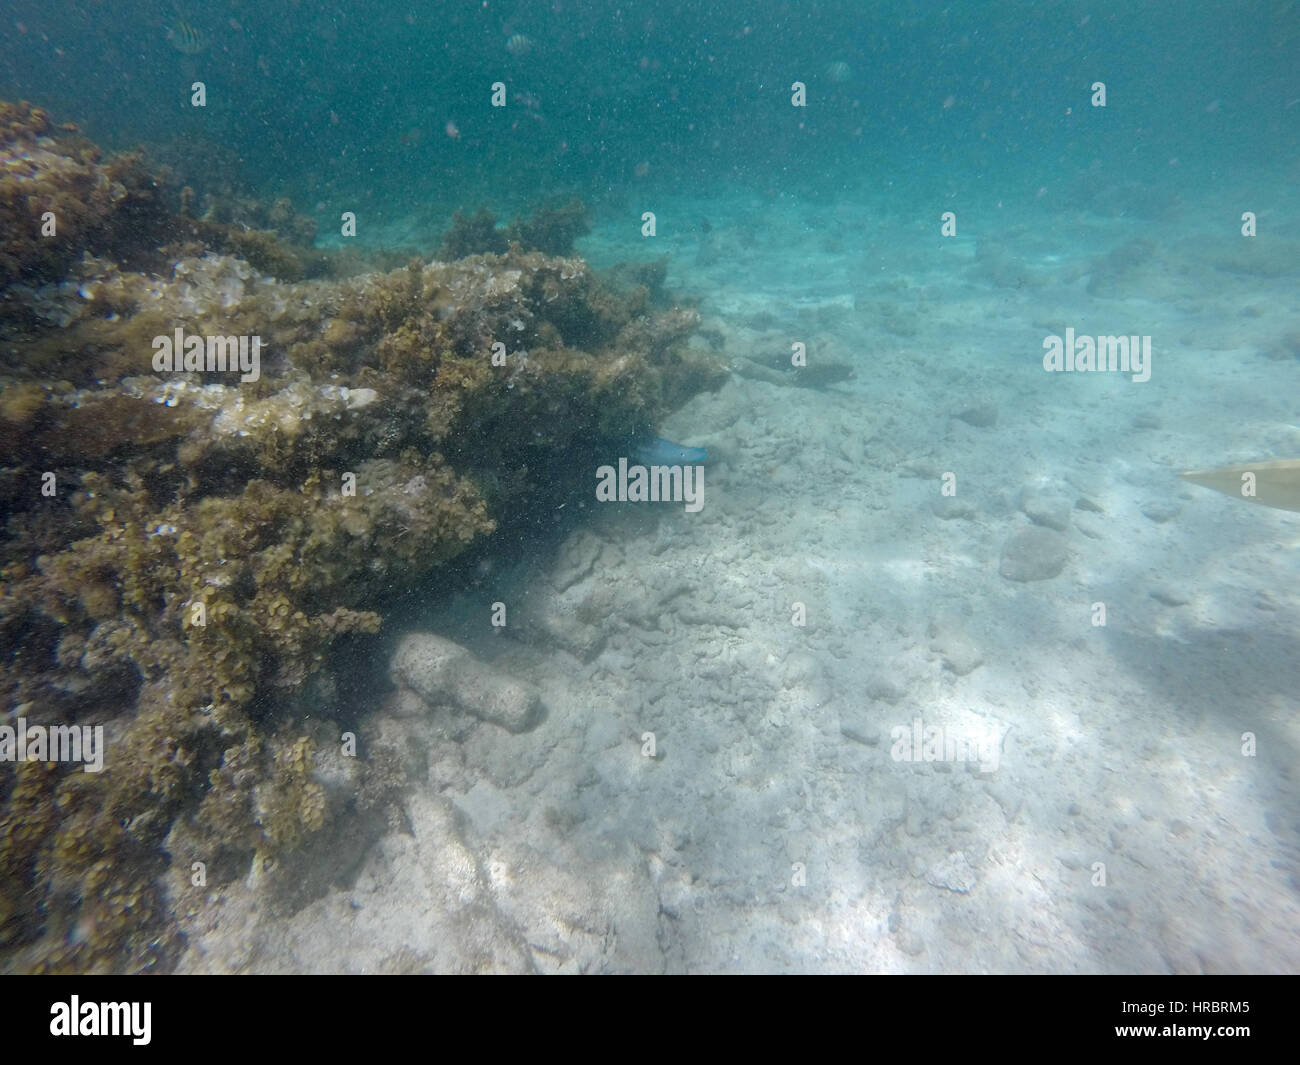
(650, 487)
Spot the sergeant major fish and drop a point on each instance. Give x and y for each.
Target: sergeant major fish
(186, 38)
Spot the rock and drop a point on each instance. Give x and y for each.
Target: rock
(1170, 595)
(555, 617)
(960, 652)
(885, 690)
(982, 415)
(954, 873)
(804, 681)
(1050, 511)
(949, 507)
(1033, 554)
(1162, 510)
(1090, 528)
(576, 560)
(441, 671)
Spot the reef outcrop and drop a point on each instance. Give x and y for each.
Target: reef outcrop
(185, 547)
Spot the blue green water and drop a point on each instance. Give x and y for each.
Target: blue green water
(353, 101)
(1099, 162)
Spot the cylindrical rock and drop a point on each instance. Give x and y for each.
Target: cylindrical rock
(441, 671)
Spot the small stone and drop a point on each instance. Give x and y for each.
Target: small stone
(885, 690)
(1162, 510)
(1033, 554)
(1090, 528)
(1169, 595)
(961, 654)
(982, 415)
(950, 507)
(1052, 512)
(954, 873)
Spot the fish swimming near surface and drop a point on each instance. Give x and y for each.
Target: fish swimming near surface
(1275, 483)
(186, 38)
(519, 45)
(661, 452)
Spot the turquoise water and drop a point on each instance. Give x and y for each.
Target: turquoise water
(325, 101)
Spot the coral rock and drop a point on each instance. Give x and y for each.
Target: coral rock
(441, 671)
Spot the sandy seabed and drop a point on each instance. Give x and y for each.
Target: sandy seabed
(1121, 828)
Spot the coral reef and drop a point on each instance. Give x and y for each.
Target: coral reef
(551, 228)
(276, 239)
(105, 207)
(62, 200)
(209, 539)
(475, 234)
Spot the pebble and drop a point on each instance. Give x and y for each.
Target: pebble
(1162, 510)
(949, 507)
(982, 415)
(1050, 511)
(954, 873)
(1033, 554)
(1169, 595)
(960, 653)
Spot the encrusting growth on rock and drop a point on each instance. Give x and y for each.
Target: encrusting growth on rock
(209, 539)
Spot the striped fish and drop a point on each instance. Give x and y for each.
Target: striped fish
(519, 45)
(186, 38)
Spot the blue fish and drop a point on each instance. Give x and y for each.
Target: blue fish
(661, 452)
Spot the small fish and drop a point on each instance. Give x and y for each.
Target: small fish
(187, 38)
(839, 72)
(519, 45)
(661, 452)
